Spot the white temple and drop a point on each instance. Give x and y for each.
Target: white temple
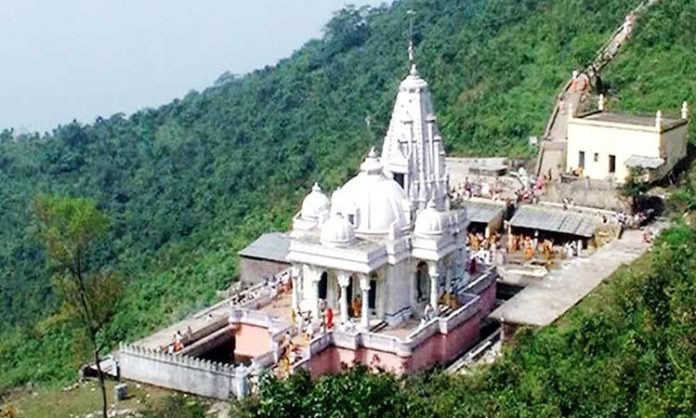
(387, 237)
(386, 252)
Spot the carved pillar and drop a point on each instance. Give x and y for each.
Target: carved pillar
(434, 294)
(343, 282)
(448, 275)
(315, 295)
(295, 276)
(365, 314)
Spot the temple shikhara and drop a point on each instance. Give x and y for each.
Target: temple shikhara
(379, 274)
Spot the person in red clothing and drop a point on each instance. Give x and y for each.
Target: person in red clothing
(328, 318)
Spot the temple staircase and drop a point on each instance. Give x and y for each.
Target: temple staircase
(551, 158)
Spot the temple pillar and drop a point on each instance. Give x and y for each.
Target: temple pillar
(448, 280)
(365, 314)
(315, 296)
(295, 278)
(343, 282)
(434, 294)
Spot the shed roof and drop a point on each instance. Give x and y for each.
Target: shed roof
(552, 220)
(482, 212)
(644, 162)
(270, 246)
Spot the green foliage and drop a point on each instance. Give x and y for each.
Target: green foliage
(354, 393)
(189, 184)
(70, 230)
(176, 406)
(636, 186)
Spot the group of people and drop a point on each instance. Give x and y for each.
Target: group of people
(532, 247)
(469, 189)
(481, 249)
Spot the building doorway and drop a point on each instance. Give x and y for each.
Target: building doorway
(349, 291)
(422, 278)
(399, 178)
(372, 296)
(612, 164)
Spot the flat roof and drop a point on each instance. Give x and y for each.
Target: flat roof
(639, 120)
(644, 162)
(541, 303)
(272, 246)
(482, 212)
(555, 220)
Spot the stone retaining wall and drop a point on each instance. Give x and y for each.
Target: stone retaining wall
(183, 373)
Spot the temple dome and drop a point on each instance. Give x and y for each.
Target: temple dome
(372, 201)
(431, 221)
(315, 203)
(337, 231)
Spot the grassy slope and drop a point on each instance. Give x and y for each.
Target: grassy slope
(190, 183)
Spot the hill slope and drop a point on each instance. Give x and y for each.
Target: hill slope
(189, 183)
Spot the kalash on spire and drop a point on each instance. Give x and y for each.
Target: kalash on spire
(413, 151)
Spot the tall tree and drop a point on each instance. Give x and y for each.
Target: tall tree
(71, 230)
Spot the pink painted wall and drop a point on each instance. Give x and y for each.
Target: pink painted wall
(442, 348)
(488, 298)
(438, 349)
(333, 359)
(251, 340)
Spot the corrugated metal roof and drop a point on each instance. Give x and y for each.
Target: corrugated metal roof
(482, 212)
(271, 246)
(561, 221)
(644, 162)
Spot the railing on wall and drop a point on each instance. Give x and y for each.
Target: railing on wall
(212, 379)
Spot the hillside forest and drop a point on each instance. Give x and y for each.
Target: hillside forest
(190, 183)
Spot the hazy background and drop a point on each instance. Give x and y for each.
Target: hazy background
(77, 59)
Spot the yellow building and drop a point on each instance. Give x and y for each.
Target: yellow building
(605, 146)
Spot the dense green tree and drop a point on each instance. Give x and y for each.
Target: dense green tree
(71, 230)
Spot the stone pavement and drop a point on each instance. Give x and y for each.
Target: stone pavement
(542, 303)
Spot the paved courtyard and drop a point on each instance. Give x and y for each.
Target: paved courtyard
(542, 303)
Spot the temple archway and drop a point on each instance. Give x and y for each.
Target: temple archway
(372, 294)
(323, 285)
(422, 282)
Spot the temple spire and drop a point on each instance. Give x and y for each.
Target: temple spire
(411, 47)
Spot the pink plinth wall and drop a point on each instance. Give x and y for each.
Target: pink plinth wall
(488, 298)
(438, 349)
(251, 340)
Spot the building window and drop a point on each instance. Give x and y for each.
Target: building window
(596, 157)
(612, 164)
(581, 159)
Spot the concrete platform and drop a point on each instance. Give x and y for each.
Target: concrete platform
(542, 303)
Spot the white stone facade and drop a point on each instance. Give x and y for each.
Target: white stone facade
(387, 237)
(605, 146)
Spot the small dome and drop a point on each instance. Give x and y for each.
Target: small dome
(430, 221)
(337, 231)
(315, 203)
(375, 201)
